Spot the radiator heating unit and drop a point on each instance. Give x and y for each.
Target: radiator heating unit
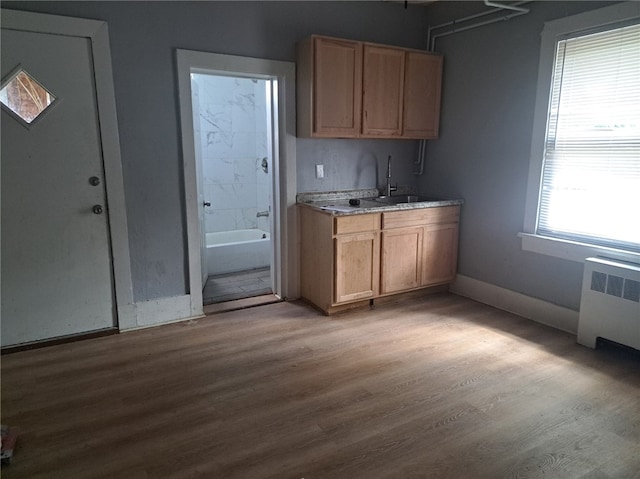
(610, 303)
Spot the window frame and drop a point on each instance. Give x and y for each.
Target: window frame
(15, 115)
(553, 32)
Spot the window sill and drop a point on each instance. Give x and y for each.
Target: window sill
(572, 250)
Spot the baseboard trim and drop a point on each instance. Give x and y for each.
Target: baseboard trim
(528, 307)
(163, 311)
(43, 343)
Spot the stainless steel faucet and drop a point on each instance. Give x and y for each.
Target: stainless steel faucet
(389, 187)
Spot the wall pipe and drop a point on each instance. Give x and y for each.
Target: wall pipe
(506, 6)
(422, 149)
(453, 24)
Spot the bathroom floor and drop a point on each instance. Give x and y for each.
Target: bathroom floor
(231, 286)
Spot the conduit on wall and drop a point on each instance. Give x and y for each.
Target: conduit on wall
(461, 25)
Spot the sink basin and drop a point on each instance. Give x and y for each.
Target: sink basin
(399, 199)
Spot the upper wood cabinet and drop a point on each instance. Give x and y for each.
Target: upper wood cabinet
(349, 89)
(422, 91)
(329, 87)
(382, 93)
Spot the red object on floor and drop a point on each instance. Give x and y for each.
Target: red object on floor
(9, 437)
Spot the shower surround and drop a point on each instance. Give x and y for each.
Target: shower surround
(232, 117)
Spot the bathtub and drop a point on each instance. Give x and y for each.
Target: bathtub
(240, 250)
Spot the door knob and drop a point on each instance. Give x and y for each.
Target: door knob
(94, 181)
(97, 209)
(206, 203)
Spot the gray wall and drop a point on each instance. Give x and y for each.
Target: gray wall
(483, 153)
(144, 36)
(352, 164)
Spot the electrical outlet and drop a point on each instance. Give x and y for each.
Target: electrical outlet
(319, 171)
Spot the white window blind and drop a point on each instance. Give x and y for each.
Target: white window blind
(590, 190)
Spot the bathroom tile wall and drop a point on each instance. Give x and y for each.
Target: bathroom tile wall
(232, 113)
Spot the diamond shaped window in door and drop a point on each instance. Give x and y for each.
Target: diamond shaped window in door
(25, 96)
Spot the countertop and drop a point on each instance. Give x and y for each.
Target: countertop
(336, 203)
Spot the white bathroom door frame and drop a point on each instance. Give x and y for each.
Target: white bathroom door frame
(200, 195)
(285, 275)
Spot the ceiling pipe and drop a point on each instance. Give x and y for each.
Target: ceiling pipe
(461, 24)
(455, 28)
(514, 7)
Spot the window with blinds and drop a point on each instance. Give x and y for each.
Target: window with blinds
(590, 189)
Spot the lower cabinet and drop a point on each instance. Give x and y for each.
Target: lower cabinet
(350, 259)
(401, 259)
(357, 266)
(439, 254)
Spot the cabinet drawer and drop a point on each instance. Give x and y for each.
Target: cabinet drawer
(421, 217)
(356, 223)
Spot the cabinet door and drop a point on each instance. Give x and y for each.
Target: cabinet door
(357, 270)
(439, 253)
(383, 82)
(337, 80)
(401, 259)
(422, 85)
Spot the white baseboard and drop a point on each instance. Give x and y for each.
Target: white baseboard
(531, 308)
(162, 311)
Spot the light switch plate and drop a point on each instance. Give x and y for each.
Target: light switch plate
(319, 171)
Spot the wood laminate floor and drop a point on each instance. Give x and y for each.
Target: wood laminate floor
(434, 387)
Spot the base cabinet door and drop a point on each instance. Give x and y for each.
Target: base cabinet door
(439, 254)
(401, 259)
(357, 270)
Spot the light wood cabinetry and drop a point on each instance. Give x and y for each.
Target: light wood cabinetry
(350, 89)
(357, 257)
(350, 259)
(422, 92)
(340, 258)
(383, 86)
(401, 260)
(316, 257)
(436, 231)
(329, 87)
(357, 260)
(439, 253)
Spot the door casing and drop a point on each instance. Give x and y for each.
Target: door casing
(286, 284)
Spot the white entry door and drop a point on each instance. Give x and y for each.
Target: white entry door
(56, 261)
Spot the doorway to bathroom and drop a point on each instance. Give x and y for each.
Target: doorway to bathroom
(233, 140)
(279, 79)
